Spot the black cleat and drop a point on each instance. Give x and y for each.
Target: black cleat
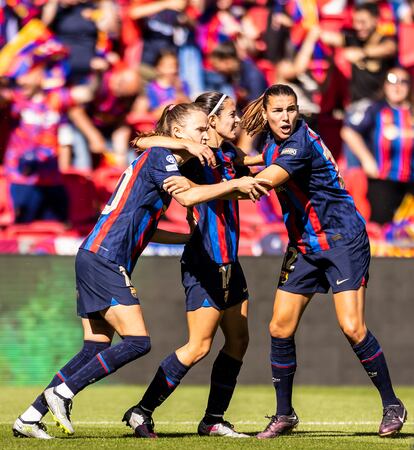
(140, 421)
(393, 419)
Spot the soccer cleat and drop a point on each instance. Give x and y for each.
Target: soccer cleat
(22, 429)
(279, 425)
(219, 429)
(140, 422)
(60, 407)
(393, 419)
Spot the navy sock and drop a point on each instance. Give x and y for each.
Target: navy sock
(283, 360)
(223, 381)
(370, 354)
(88, 351)
(167, 378)
(109, 361)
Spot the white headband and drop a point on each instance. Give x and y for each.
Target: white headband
(218, 104)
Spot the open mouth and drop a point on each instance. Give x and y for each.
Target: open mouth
(285, 129)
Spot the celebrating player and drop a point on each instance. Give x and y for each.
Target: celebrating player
(215, 286)
(107, 301)
(328, 248)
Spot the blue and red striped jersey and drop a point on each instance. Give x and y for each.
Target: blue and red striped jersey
(389, 134)
(317, 210)
(131, 216)
(216, 236)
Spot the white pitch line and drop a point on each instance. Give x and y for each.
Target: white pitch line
(242, 422)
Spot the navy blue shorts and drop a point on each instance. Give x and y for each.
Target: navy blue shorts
(101, 283)
(341, 268)
(214, 286)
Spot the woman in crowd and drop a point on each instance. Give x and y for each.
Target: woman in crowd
(328, 248)
(382, 140)
(107, 301)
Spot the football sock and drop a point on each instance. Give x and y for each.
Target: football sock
(223, 381)
(107, 362)
(32, 414)
(372, 358)
(167, 378)
(88, 351)
(283, 361)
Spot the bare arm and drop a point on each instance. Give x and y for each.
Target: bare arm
(148, 9)
(275, 175)
(183, 148)
(332, 38)
(168, 237)
(49, 11)
(205, 193)
(84, 124)
(358, 147)
(385, 49)
(305, 53)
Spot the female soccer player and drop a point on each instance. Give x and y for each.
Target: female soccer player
(107, 301)
(328, 247)
(214, 283)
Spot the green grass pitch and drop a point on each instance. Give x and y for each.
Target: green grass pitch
(331, 418)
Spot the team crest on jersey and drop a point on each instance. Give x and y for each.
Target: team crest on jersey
(289, 151)
(171, 159)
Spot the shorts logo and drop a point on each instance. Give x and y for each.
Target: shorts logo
(289, 151)
(338, 282)
(171, 159)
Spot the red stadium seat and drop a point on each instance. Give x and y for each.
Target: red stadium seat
(105, 180)
(83, 199)
(49, 228)
(6, 205)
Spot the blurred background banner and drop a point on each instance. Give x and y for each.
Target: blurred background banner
(39, 329)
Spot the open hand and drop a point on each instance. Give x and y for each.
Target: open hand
(176, 184)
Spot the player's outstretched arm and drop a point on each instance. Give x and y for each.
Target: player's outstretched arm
(274, 174)
(169, 237)
(203, 193)
(244, 159)
(184, 148)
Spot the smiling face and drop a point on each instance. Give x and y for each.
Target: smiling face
(193, 126)
(224, 125)
(281, 113)
(397, 86)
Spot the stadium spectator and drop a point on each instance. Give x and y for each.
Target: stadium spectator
(328, 249)
(382, 140)
(31, 158)
(159, 22)
(166, 88)
(369, 52)
(237, 77)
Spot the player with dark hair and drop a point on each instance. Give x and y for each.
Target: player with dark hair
(214, 283)
(328, 248)
(107, 301)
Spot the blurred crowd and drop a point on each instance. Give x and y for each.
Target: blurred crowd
(79, 79)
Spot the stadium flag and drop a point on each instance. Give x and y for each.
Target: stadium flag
(35, 44)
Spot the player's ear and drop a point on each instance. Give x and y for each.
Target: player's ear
(212, 121)
(177, 132)
(264, 114)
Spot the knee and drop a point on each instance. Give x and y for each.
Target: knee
(354, 331)
(140, 345)
(281, 329)
(237, 347)
(197, 352)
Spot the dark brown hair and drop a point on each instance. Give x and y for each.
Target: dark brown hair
(252, 120)
(208, 101)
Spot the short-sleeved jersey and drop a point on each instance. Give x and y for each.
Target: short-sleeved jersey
(318, 211)
(31, 155)
(389, 134)
(131, 216)
(216, 236)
